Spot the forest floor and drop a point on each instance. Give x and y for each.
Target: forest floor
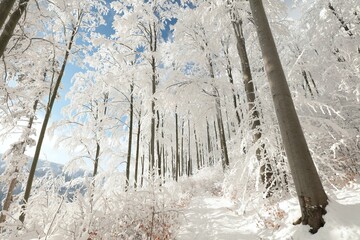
(214, 217)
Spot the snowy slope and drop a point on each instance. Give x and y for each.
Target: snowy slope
(214, 217)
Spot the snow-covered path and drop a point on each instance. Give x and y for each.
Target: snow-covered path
(213, 218)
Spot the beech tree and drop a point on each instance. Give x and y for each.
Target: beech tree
(311, 195)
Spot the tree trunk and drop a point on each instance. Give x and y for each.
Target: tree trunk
(9, 28)
(5, 8)
(265, 169)
(14, 181)
(153, 49)
(231, 80)
(312, 197)
(189, 168)
(182, 159)
(46, 120)
(142, 170)
(197, 150)
(158, 147)
(219, 118)
(130, 135)
(209, 144)
(177, 157)
(137, 149)
(98, 148)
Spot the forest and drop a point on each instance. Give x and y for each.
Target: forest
(180, 119)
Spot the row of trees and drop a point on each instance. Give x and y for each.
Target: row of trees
(179, 86)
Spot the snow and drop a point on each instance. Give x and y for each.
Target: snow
(215, 217)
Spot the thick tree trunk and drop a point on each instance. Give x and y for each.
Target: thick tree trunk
(9, 28)
(46, 120)
(5, 8)
(311, 194)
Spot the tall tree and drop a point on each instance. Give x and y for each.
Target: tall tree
(49, 108)
(265, 168)
(311, 195)
(131, 113)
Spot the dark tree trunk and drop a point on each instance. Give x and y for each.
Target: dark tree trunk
(130, 135)
(189, 167)
(265, 169)
(46, 120)
(209, 143)
(137, 149)
(5, 8)
(197, 150)
(312, 197)
(153, 49)
(177, 157)
(9, 28)
(182, 159)
(142, 170)
(231, 79)
(158, 148)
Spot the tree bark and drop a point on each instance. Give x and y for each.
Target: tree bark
(265, 169)
(46, 119)
(158, 147)
(137, 149)
(5, 8)
(153, 49)
(231, 80)
(130, 135)
(219, 118)
(209, 144)
(177, 158)
(9, 28)
(311, 195)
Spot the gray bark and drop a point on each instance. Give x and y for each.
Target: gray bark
(311, 195)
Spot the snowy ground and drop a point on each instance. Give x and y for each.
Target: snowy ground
(212, 217)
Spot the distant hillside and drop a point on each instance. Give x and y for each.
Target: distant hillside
(43, 168)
